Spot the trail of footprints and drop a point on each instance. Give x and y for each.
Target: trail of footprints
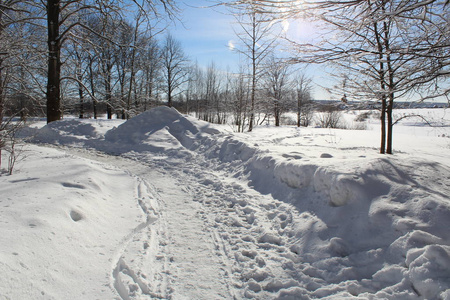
(143, 276)
(251, 233)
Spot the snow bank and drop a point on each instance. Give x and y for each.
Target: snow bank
(365, 231)
(74, 132)
(62, 219)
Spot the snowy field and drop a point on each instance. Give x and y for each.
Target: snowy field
(164, 206)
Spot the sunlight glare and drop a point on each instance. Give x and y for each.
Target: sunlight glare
(285, 25)
(231, 45)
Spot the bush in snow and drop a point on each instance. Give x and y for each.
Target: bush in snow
(330, 118)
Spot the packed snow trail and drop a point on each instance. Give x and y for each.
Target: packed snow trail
(221, 239)
(186, 246)
(176, 257)
(203, 243)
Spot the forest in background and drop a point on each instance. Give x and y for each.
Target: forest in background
(116, 58)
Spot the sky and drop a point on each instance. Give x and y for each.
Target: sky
(206, 35)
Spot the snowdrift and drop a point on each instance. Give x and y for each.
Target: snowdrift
(60, 227)
(360, 224)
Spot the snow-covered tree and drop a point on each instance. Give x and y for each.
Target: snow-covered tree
(386, 49)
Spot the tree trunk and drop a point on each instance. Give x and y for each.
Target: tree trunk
(383, 125)
(54, 62)
(94, 101)
(1, 111)
(381, 73)
(391, 86)
(80, 93)
(253, 57)
(252, 101)
(169, 91)
(132, 71)
(108, 96)
(1, 92)
(390, 124)
(277, 114)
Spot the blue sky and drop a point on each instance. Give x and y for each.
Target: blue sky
(206, 33)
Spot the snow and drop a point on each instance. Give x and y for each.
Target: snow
(165, 206)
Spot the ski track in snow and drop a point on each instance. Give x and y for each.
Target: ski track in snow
(125, 279)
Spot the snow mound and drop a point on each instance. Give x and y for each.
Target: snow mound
(161, 129)
(74, 132)
(368, 226)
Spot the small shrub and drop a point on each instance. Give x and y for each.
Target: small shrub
(363, 116)
(330, 119)
(287, 120)
(359, 126)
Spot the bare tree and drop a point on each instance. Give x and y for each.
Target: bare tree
(195, 90)
(329, 117)
(258, 40)
(174, 63)
(17, 61)
(385, 52)
(62, 17)
(278, 83)
(150, 62)
(212, 94)
(303, 90)
(104, 52)
(388, 49)
(241, 99)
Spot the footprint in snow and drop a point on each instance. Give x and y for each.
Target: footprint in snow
(76, 216)
(73, 185)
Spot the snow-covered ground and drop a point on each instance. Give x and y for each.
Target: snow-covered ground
(164, 206)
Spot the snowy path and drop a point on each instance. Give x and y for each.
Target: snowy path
(213, 237)
(176, 253)
(217, 235)
(186, 246)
